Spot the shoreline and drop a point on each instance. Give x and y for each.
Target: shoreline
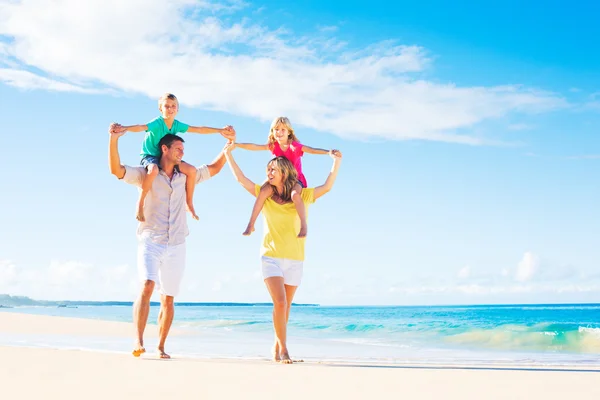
(27, 326)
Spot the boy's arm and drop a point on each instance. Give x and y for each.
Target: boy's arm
(252, 146)
(326, 187)
(118, 128)
(228, 132)
(314, 150)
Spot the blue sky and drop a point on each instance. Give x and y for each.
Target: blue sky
(469, 133)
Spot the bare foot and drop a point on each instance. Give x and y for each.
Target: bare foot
(139, 215)
(138, 351)
(163, 355)
(302, 233)
(285, 358)
(190, 208)
(249, 230)
(275, 352)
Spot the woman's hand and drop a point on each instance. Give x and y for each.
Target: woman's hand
(335, 154)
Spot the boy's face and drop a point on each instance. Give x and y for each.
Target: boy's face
(168, 108)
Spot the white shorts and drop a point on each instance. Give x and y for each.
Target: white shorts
(161, 264)
(289, 270)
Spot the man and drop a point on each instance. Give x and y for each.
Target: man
(161, 237)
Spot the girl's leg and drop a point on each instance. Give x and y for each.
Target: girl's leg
(151, 173)
(265, 192)
(300, 208)
(280, 310)
(190, 184)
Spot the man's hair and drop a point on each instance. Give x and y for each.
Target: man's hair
(168, 140)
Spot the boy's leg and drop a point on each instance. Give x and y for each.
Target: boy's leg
(300, 208)
(151, 173)
(190, 184)
(265, 192)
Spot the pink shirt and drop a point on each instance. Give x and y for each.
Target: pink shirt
(294, 154)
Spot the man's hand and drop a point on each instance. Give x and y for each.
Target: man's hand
(228, 132)
(116, 130)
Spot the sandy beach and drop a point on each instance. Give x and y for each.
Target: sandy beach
(30, 373)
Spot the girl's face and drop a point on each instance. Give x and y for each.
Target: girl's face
(274, 175)
(281, 134)
(168, 108)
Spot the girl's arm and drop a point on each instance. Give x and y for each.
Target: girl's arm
(313, 150)
(237, 172)
(252, 146)
(326, 187)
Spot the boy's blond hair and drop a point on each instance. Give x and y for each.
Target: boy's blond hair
(165, 97)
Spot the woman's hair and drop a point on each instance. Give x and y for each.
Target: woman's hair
(289, 176)
(288, 125)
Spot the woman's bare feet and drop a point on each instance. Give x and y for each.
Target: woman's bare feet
(275, 352)
(284, 357)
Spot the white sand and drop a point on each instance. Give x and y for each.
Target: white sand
(30, 373)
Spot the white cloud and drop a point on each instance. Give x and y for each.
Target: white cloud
(237, 66)
(527, 267)
(464, 272)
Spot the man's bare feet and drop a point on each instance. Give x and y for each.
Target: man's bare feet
(302, 233)
(163, 355)
(275, 352)
(138, 351)
(190, 208)
(249, 230)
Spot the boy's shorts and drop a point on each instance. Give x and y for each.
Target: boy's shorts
(148, 159)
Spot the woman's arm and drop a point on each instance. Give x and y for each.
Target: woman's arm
(326, 187)
(237, 172)
(252, 146)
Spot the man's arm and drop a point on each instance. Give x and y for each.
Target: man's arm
(237, 172)
(252, 146)
(114, 161)
(217, 165)
(326, 187)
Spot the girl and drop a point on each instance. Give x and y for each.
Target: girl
(283, 142)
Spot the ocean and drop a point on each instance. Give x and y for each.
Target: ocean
(553, 335)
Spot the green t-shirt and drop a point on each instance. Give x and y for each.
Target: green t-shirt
(157, 129)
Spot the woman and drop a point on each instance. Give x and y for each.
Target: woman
(282, 251)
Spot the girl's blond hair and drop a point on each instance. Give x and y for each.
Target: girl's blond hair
(288, 125)
(289, 176)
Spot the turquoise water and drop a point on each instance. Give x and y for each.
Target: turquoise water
(528, 334)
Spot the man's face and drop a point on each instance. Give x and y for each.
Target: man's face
(174, 154)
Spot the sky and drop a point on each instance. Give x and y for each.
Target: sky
(469, 133)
